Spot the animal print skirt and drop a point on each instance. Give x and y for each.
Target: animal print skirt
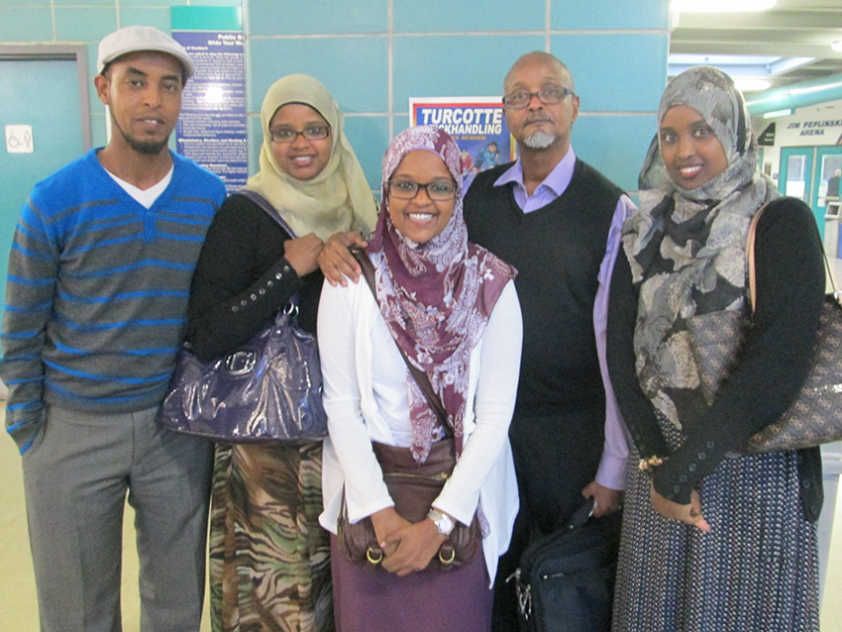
(269, 558)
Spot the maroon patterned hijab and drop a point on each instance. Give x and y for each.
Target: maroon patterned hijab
(435, 297)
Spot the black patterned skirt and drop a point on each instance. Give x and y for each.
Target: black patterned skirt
(756, 571)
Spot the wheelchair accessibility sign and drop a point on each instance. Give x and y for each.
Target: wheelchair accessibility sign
(19, 139)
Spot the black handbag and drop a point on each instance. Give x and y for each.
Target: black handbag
(565, 580)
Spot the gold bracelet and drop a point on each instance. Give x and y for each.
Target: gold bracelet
(646, 465)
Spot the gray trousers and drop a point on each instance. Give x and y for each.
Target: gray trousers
(76, 476)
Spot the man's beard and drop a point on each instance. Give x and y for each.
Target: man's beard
(151, 148)
(539, 140)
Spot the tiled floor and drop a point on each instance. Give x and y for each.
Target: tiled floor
(18, 605)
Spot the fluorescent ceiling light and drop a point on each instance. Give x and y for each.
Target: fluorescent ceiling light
(737, 66)
(748, 84)
(819, 88)
(717, 6)
(695, 59)
(836, 45)
(776, 96)
(784, 93)
(786, 64)
(777, 113)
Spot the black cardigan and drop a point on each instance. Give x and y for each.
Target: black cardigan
(242, 279)
(774, 358)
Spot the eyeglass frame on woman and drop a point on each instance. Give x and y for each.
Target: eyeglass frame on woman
(541, 94)
(417, 186)
(304, 133)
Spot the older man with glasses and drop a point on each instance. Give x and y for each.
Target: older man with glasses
(557, 220)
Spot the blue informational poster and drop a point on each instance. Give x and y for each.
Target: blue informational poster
(476, 124)
(212, 127)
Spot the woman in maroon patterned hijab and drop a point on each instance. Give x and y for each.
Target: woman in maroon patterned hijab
(435, 296)
(450, 307)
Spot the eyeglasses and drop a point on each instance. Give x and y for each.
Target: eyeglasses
(550, 94)
(288, 135)
(440, 189)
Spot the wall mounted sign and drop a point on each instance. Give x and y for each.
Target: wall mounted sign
(19, 139)
(212, 127)
(766, 138)
(477, 124)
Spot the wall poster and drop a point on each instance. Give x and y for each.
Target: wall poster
(212, 127)
(477, 124)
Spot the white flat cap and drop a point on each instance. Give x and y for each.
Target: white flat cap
(133, 39)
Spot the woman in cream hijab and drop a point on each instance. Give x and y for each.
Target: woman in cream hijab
(337, 197)
(269, 559)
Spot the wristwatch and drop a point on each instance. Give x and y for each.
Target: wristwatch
(444, 523)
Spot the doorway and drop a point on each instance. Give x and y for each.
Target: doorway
(828, 176)
(44, 96)
(796, 171)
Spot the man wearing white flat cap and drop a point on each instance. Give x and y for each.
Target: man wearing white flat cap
(96, 300)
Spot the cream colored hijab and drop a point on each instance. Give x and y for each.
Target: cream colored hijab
(339, 198)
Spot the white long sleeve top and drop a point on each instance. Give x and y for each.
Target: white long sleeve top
(365, 396)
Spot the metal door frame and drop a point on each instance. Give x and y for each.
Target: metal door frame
(48, 52)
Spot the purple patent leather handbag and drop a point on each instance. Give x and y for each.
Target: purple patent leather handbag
(268, 389)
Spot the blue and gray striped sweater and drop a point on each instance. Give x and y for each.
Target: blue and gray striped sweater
(97, 290)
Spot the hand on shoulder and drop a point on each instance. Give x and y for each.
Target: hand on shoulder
(336, 261)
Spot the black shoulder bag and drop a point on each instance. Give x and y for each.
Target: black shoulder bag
(565, 580)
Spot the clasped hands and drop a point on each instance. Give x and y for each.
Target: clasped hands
(688, 514)
(407, 546)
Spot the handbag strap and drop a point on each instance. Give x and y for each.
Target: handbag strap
(270, 210)
(751, 239)
(576, 520)
(420, 377)
(581, 515)
(263, 203)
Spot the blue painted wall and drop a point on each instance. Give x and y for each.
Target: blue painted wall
(374, 54)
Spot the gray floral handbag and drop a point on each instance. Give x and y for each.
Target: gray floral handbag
(815, 417)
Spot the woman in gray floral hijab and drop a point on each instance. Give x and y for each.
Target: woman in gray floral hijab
(713, 539)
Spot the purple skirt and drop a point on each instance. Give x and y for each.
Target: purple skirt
(373, 600)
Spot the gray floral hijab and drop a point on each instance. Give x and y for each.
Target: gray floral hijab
(686, 250)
